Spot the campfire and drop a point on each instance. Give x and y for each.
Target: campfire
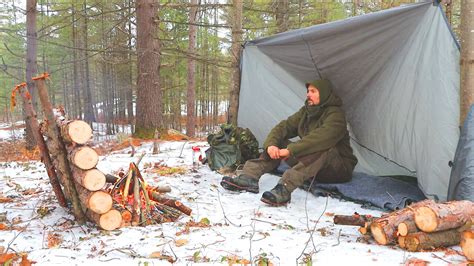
(141, 204)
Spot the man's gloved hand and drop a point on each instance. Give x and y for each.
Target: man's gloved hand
(273, 152)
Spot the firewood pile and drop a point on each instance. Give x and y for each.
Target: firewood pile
(424, 225)
(71, 167)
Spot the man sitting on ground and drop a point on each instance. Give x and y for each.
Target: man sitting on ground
(323, 151)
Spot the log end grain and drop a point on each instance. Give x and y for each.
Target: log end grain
(467, 244)
(86, 158)
(100, 202)
(402, 229)
(378, 234)
(426, 219)
(94, 180)
(79, 131)
(110, 220)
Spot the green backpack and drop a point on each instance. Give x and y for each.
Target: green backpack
(230, 147)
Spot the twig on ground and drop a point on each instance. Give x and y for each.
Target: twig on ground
(338, 236)
(306, 209)
(312, 232)
(438, 257)
(252, 224)
(222, 208)
(258, 220)
(182, 148)
(130, 252)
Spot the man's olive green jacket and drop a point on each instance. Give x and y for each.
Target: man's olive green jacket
(320, 128)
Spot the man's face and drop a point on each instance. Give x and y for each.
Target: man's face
(312, 95)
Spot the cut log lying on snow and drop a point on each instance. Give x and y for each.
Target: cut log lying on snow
(355, 219)
(75, 131)
(384, 229)
(99, 201)
(84, 157)
(92, 179)
(443, 216)
(407, 227)
(422, 241)
(169, 202)
(467, 244)
(110, 220)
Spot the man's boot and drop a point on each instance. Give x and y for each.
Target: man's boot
(240, 183)
(278, 196)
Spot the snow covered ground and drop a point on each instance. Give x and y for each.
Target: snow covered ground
(240, 225)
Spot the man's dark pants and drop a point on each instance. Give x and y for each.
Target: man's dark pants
(327, 167)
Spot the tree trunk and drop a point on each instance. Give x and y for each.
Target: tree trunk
(281, 15)
(423, 241)
(191, 92)
(77, 93)
(31, 118)
(31, 64)
(149, 103)
(467, 57)
(385, 228)
(444, 216)
(235, 57)
(53, 130)
(467, 244)
(88, 104)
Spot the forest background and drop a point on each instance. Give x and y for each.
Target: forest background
(149, 64)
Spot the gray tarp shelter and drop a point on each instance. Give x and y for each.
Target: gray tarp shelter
(397, 72)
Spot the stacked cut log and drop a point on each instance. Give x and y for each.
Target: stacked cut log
(71, 167)
(422, 226)
(89, 182)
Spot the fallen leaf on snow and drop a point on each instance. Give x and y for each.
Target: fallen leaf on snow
(181, 242)
(25, 261)
(161, 256)
(416, 262)
(7, 258)
(5, 200)
(54, 240)
(4, 227)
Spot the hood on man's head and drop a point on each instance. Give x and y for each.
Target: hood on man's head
(324, 87)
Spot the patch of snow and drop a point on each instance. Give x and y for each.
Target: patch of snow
(241, 225)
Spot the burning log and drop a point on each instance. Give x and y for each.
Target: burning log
(169, 202)
(75, 131)
(109, 220)
(467, 244)
(384, 229)
(84, 157)
(140, 204)
(444, 216)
